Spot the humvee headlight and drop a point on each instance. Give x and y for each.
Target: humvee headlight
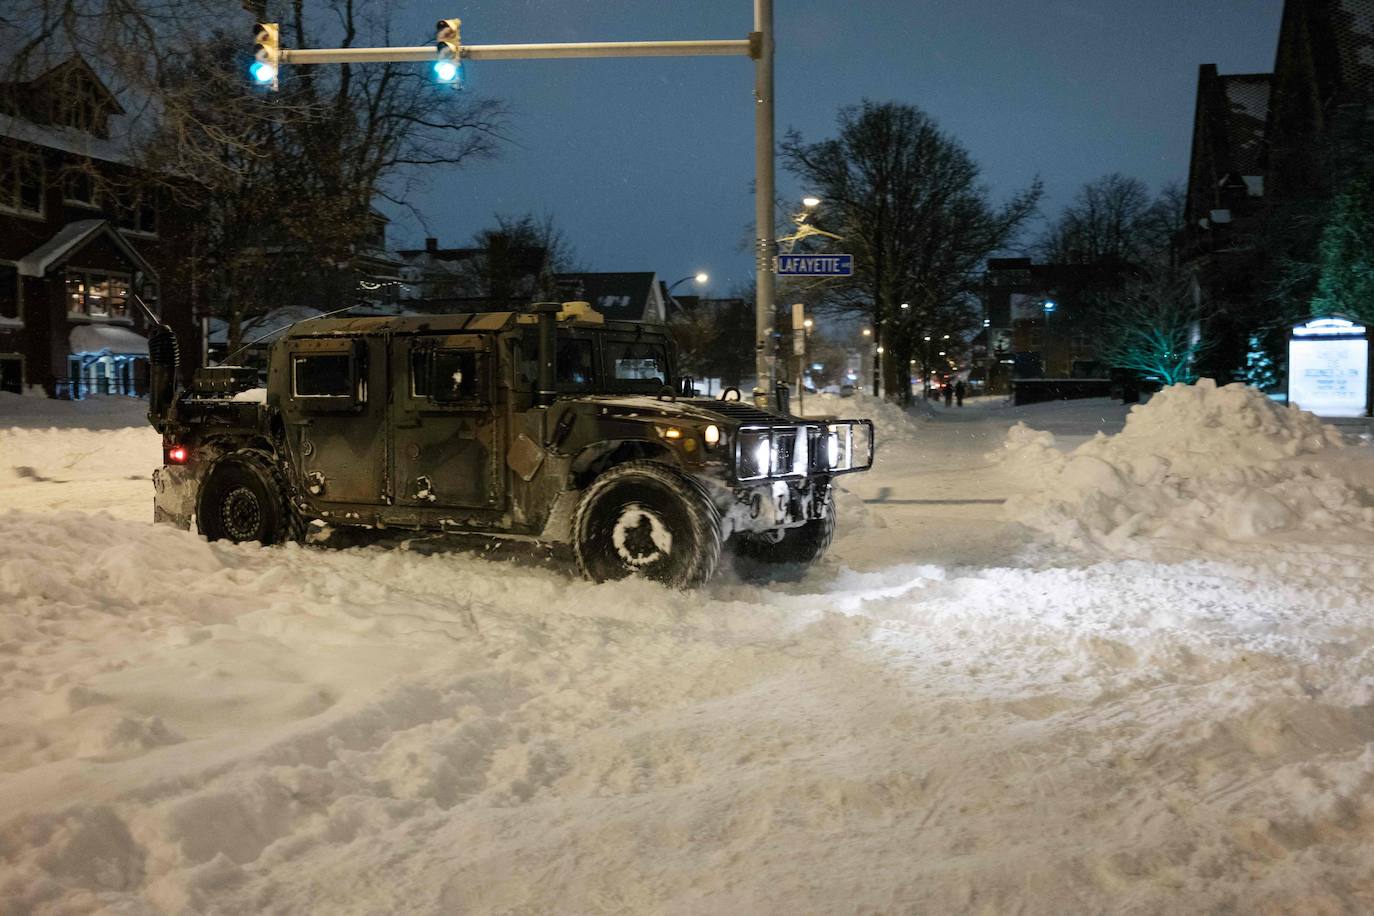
(711, 434)
(763, 453)
(672, 432)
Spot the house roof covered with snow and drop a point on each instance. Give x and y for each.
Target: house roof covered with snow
(620, 296)
(70, 239)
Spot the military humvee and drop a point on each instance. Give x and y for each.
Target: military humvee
(552, 424)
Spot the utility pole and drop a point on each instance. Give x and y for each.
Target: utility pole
(765, 246)
(758, 46)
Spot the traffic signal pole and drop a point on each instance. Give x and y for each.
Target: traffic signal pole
(742, 47)
(759, 46)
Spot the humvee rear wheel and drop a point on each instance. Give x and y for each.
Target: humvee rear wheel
(241, 501)
(644, 519)
(803, 544)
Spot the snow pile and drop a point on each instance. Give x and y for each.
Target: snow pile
(35, 411)
(47, 455)
(891, 423)
(47, 461)
(1196, 464)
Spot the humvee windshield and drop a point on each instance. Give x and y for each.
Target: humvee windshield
(582, 365)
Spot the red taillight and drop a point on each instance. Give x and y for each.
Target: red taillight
(176, 454)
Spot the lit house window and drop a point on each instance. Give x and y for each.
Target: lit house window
(97, 294)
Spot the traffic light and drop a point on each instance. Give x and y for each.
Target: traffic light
(448, 68)
(267, 54)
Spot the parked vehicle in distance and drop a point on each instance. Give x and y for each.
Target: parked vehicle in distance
(553, 424)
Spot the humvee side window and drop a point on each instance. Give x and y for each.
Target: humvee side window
(444, 376)
(326, 375)
(575, 357)
(575, 362)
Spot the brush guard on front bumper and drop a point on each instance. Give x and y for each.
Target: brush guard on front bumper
(781, 451)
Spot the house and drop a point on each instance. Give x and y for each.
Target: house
(81, 233)
(619, 296)
(471, 279)
(499, 276)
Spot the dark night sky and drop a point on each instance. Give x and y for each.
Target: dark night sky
(646, 164)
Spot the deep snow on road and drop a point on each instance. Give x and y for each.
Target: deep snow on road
(1144, 685)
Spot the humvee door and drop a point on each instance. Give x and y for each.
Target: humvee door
(334, 406)
(447, 447)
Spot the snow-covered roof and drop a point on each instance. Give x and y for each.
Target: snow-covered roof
(71, 238)
(99, 338)
(67, 139)
(263, 329)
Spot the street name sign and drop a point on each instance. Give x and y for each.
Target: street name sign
(816, 265)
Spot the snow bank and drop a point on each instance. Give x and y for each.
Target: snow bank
(1196, 464)
(47, 461)
(56, 455)
(890, 422)
(34, 411)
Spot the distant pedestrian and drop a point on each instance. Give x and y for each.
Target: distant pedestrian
(949, 394)
(959, 390)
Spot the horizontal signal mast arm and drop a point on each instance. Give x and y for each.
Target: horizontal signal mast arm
(744, 47)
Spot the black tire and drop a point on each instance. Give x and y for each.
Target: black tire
(242, 500)
(636, 503)
(803, 544)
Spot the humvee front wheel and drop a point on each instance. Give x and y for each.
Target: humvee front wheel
(242, 501)
(645, 519)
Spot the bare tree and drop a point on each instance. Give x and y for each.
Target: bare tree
(716, 338)
(1154, 326)
(283, 183)
(290, 178)
(520, 258)
(906, 200)
(1115, 222)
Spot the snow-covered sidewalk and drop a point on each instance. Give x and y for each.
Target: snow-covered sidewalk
(953, 713)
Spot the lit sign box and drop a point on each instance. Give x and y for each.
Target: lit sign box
(1328, 368)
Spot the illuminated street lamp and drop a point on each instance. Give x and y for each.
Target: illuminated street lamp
(701, 277)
